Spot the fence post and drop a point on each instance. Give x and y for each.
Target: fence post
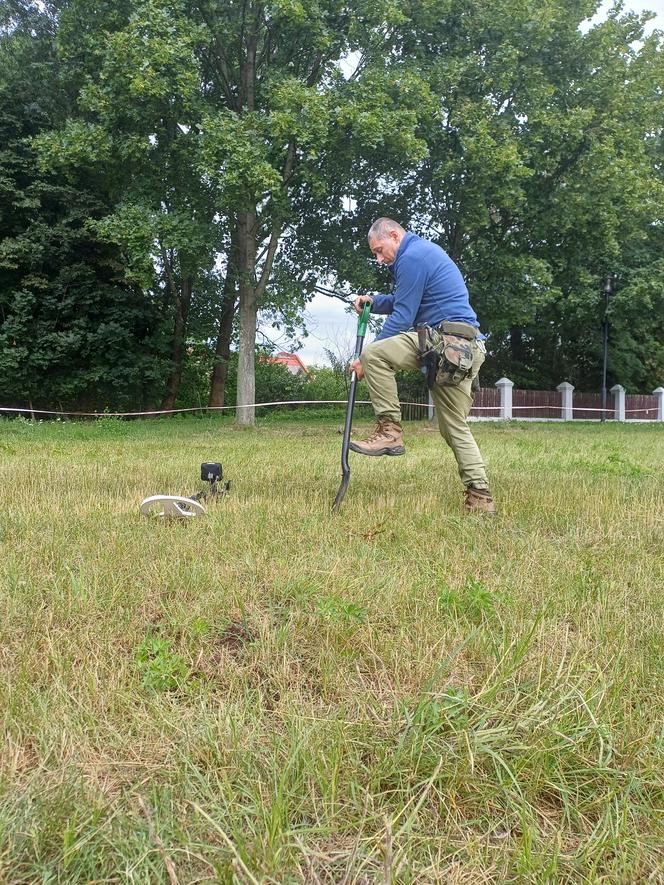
(659, 393)
(567, 392)
(430, 410)
(505, 386)
(618, 392)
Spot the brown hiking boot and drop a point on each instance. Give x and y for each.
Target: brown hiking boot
(387, 439)
(479, 501)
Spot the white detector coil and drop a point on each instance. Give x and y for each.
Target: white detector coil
(171, 506)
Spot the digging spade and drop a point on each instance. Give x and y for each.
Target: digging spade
(345, 467)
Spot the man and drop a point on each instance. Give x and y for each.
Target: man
(428, 291)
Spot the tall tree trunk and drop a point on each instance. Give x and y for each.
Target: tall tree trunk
(251, 289)
(245, 415)
(246, 379)
(456, 244)
(517, 348)
(223, 348)
(182, 299)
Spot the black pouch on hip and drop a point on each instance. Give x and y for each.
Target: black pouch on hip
(429, 357)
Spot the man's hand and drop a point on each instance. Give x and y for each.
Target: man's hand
(361, 300)
(356, 365)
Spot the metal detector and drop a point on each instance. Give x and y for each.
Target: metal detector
(345, 467)
(184, 507)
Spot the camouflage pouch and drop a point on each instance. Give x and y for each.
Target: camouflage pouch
(456, 360)
(445, 359)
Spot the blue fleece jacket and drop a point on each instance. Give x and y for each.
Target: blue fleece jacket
(428, 288)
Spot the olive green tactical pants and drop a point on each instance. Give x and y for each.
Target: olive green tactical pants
(381, 359)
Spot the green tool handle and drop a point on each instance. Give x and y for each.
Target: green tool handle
(363, 320)
(345, 467)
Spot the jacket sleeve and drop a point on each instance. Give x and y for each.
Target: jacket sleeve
(409, 289)
(382, 304)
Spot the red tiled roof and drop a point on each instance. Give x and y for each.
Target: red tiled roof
(287, 359)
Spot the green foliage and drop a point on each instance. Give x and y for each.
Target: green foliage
(160, 668)
(274, 383)
(332, 608)
(432, 717)
(74, 330)
(473, 601)
(541, 173)
(323, 383)
(191, 118)
(149, 148)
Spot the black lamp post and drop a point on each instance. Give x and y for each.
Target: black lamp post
(609, 280)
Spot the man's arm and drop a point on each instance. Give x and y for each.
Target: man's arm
(385, 303)
(382, 304)
(410, 283)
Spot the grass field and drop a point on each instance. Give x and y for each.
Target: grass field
(272, 694)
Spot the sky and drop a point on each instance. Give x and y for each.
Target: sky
(327, 323)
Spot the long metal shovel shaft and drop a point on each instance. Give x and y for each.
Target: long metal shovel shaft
(345, 467)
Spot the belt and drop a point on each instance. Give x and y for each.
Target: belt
(461, 330)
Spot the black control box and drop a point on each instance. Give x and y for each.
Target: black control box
(211, 471)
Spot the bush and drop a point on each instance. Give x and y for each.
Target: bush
(325, 383)
(274, 383)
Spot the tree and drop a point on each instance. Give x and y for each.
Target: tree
(284, 110)
(539, 175)
(72, 327)
(217, 159)
(208, 119)
(139, 103)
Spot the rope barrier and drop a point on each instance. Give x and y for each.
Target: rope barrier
(299, 402)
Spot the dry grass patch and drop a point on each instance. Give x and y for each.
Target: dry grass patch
(273, 694)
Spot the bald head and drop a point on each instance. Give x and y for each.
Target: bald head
(382, 227)
(385, 237)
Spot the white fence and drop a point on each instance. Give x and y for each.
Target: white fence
(563, 404)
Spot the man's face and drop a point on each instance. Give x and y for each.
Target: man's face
(385, 248)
